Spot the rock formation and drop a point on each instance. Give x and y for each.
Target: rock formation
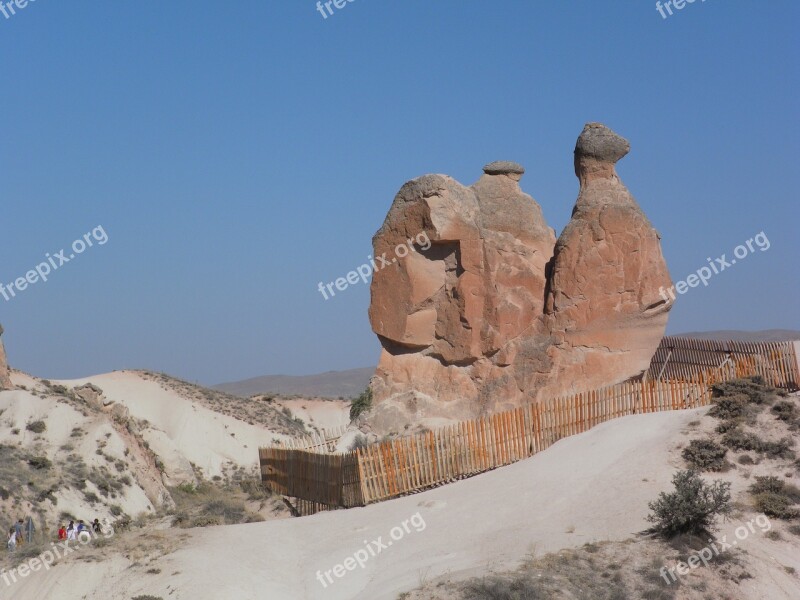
(5, 379)
(496, 312)
(91, 395)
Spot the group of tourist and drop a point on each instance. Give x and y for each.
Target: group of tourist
(23, 530)
(20, 533)
(73, 532)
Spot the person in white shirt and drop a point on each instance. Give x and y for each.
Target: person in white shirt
(71, 532)
(12, 540)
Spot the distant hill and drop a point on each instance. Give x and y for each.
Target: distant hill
(331, 384)
(352, 382)
(767, 335)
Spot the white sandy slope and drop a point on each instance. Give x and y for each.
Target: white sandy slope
(180, 427)
(595, 485)
(182, 433)
(318, 413)
(20, 407)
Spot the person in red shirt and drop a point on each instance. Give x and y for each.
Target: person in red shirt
(62, 533)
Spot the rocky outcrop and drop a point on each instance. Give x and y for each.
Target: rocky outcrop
(5, 379)
(91, 395)
(494, 312)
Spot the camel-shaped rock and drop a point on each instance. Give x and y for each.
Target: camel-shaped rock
(496, 312)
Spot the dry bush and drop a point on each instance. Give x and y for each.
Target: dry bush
(705, 455)
(730, 407)
(692, 507)
(210, 504)
(36, 426)
(576, 573)
(771, 483)
(775, 498)
(784, 410)
(775, 505)
(754, 388)
(737, 439)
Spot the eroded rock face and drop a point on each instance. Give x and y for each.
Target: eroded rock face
(91, 395)
(493, 312)
(604, 306)
(5, 379)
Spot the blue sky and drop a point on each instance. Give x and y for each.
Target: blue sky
(238, 153)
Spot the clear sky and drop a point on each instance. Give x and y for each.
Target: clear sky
(237, 153)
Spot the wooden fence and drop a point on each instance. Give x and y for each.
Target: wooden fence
(323, 441)
(681, 358)
(406, 465)
(400, 466)
(331, 479)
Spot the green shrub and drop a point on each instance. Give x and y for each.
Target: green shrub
(775, 505)
(187, 488)
(36, 426)
(753, 387)
(784, 410)
(705, 455)
(48, 494)
(692, 507)
(361, 404)
(497, 587)
(729, 407)
(780, 449)
(40, 462)
(729, 425)
(770, 483)
(774, 497)
(254, 488)
(187, 521)
(229, 511)
(775, 485)
(736, 439)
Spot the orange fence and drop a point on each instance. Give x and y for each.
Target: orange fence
(680, 358)
(405, 465)
(400, 466)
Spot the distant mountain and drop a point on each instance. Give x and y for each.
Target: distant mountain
(326, 385)
(767, 335)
